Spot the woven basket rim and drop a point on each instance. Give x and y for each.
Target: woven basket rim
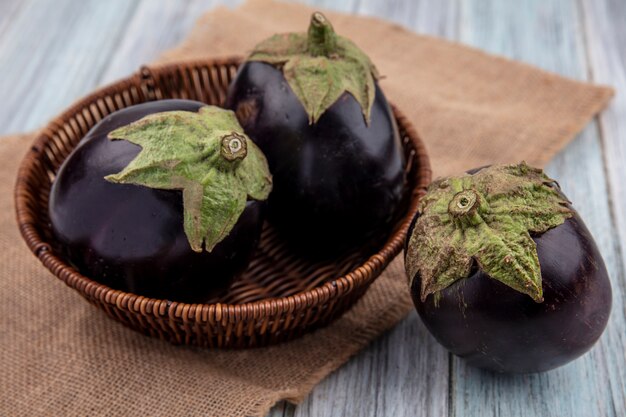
(337, 287)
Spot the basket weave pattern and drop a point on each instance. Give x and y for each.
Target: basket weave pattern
(278, 298)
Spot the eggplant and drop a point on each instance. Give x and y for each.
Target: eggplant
(136, 238)
(329, 135)
(536, 301)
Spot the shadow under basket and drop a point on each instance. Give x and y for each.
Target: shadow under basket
(279, 297)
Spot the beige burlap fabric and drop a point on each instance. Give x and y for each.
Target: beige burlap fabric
(60, 356)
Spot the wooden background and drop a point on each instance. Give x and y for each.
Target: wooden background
(52, 52)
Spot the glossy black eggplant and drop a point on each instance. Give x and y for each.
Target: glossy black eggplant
(337, 180)
(131, 237)
(494, 326)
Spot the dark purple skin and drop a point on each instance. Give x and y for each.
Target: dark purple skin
(495, 327)
(336, 182)
(130, 237)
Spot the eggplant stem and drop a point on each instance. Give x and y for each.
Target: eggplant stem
(322, 39)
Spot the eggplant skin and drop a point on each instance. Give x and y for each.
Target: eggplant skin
(130, 237)
(338, 181)
(495, 327)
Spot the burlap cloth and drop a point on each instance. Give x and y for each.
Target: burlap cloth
(60, 356)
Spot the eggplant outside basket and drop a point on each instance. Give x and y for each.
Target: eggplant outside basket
(278, 298)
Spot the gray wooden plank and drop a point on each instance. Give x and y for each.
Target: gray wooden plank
(549, 34)
(53, 52)
(346, 6)
(155, 27)
(405, 372)
(437, 18)
(8, 12)
(536, 32)
(606, 40)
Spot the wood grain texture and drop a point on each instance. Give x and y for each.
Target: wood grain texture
(436, 18)
(8, 13)
(550, 34)
(403, 373)
(154, 27)
(53, 52)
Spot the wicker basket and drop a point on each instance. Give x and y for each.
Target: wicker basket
(278, 298)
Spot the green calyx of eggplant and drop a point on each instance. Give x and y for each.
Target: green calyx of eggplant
(208, 157)
(320, 66)
(486, 218)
